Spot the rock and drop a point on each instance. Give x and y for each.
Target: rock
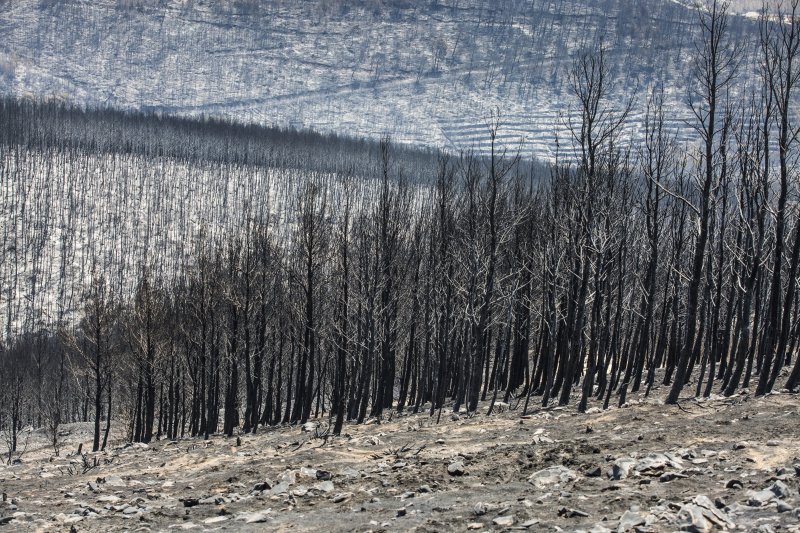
(629, 520)
(566, 512)
(780, 489)
(408, 494)
(551, 476)
(92, 486)
(264, 485)
(424, 489)
(342, 497)
(456, 468)
(622, 468)
(594, 472)
(112, 481)
(773, 442)
(401, 512)
(190, 502)
(324, 475)
(215, 520)
(130, 510)
(530, 523)
(280, 488)
(324, 486)
(669, 476)
(482, 508)
(256, 518)
(474, 525)
(349, 473)
(308, 472)
(504, 521)
(655, 463)
(454, 417)
(734, 484)
(759, 498)
(701, 515)
(5, 520)
(741, 445)
(372, 440)
(691, 518)
(783, 507)
(309, 427)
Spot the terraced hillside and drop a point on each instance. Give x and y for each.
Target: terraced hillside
(426, 72)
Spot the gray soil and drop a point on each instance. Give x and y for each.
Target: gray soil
(721, 464)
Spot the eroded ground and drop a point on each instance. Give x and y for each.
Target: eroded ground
(720, 464)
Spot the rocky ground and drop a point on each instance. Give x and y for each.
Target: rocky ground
(721, 464)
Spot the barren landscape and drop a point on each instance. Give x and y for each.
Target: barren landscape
(643, 467)
(399, 265)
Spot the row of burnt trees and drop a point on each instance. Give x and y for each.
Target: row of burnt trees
(357, 294)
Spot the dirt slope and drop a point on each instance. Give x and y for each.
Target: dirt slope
(715, 465)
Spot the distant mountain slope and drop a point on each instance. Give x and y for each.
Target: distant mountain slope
(425, 71)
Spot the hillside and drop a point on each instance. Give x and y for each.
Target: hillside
(426, 72)
(640, 468)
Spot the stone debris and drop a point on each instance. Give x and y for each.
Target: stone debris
(504, 521)
(701, 515)
(342, 497)
(783, 507)
(112, 481)
(780, 489)
(567, 512)
(666, 477)
(622, 468)
(492, 479)
(594, 472)
(552, 476)
(324, 486)
(482, 508)
(254, 518)
(630, 520)
(263, 485)
(456, 468)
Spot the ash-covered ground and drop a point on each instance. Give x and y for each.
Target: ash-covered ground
(721, 464)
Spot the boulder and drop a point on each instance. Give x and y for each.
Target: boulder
(622, 468)
(456, 468)
(552, 476)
